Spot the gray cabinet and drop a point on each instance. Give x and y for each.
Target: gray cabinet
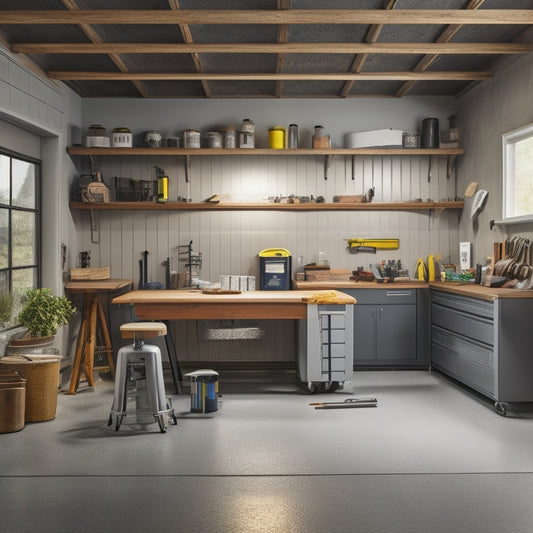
(390, 327)
(485, 344)
(325, 344)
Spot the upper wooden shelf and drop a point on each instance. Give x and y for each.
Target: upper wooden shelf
(81, 150)
(205, 206)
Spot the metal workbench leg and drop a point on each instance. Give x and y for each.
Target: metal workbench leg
(173, 358)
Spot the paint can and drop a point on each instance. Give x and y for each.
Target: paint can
(214, 139)
(204, 391)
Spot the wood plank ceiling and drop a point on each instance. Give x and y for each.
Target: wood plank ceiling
(266, 48)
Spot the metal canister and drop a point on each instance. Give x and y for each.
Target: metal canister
(292, 141)
(410, 140)
(152, 139)
(430, 133)
(214, 139)
(230, 138)
(277, 137)
(246, 135)
(191, 139)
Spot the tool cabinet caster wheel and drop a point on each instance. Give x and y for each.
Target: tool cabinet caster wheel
(331, 386)
(315, 387)
(500, 408)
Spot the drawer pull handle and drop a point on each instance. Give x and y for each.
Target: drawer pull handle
(398, 293)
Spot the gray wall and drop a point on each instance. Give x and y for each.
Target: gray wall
(487, 112)
(230, 241)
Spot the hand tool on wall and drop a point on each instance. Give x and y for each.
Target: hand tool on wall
(380, 244)
(188, 176)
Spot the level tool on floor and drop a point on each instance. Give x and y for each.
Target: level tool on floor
(350, 403)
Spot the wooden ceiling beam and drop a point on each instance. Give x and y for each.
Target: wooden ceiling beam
(360, 58)
(92, 34)
(184, 76)
(272, 48)
(445, 37)
(188, 38)
(260, 16)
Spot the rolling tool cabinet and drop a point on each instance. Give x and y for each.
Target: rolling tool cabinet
(325, 350)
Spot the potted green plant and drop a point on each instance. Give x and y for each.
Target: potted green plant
(43, 314)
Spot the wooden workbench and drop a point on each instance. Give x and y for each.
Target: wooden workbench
(195, 305)
(287, 305)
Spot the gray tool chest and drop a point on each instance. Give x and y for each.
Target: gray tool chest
(325, 347)
(485, 344)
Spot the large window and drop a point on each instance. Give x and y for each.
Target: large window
(19, 228)
(518, 174)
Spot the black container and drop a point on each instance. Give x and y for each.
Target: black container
(430, 133)
(275, 273)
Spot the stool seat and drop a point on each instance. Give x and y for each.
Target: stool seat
(146, 330)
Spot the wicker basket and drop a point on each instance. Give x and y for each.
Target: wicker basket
(12, 401)
(42, 375)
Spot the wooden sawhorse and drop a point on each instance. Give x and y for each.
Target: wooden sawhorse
(93, 317)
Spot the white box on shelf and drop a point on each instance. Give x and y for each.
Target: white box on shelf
(376, 138)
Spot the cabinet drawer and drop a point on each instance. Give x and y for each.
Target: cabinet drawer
(470, 362)
(338, 364)
(335, 336)
(472, 326)
(384, 296)
(336, 350)
(333, 321)
(473, 306)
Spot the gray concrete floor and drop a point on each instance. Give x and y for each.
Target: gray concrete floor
(431, 457)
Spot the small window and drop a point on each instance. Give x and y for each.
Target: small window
(19, 231)
(518, 175)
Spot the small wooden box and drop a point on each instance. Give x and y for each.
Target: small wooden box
(77, 274)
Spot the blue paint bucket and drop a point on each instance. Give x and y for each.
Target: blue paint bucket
(204, 391)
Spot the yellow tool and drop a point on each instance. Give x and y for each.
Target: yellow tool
(381, 244)
(431, 268)
(421, 271)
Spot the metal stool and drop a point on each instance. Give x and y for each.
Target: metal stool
(139, 377)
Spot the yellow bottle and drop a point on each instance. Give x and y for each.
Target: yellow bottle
(162, 189)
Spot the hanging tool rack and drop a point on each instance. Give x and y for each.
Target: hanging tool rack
(191, 261)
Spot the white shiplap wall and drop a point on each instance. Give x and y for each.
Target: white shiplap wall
(230, 241)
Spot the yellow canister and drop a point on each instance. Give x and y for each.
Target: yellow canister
(277, 137)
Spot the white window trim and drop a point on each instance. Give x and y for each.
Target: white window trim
(508, 140)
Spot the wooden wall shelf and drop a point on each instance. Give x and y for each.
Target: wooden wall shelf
(183, 206)
(81, 150)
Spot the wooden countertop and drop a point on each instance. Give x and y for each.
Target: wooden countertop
(100, 285)
(198, 297)
(479, 291)
(330, 285)
(196, 305)
(456, 287)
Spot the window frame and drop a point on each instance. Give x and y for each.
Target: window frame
(509, 141)
(37, 209)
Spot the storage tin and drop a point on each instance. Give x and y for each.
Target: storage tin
(191, 139)
(153, 139)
